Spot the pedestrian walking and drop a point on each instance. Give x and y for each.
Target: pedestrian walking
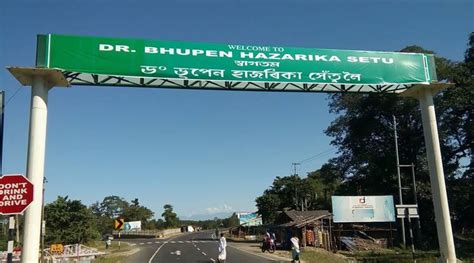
(108, 242)
(222, 249)
(295, 248)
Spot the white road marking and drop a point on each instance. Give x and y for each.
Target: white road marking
(213, 260)
(157, 242)
(142, 243)
(181, 242)
(198, 249)
(204, 253)
(133, 244)
(158, 249)
(173, 242)
(148, 242)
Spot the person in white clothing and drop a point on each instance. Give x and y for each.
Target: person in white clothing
(222, 249)
(295, 248)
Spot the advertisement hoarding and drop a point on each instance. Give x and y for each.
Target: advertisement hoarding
(359, 209)
(133, 226)
(249, 219)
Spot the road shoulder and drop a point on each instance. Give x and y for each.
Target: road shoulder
(254, 249)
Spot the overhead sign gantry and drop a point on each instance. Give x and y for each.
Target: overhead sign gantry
(95, 61)
(155, 63)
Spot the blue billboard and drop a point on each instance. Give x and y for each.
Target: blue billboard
(360, 209)
(249, 219)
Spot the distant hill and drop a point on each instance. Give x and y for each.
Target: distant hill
(206, 216)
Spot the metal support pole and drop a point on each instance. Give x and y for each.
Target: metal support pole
(11, 229)
(438, 185)
(402, 220)
(411, 237)
(43, 224)
(35, 167)
(17, 232)
(119, 239)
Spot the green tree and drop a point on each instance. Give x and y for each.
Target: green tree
(105, 212)
(232, 221)
(171, 219)
(457, 122)
(293, 192)
(112, 206)
(69, 222)
(363, 135)
(136, 212)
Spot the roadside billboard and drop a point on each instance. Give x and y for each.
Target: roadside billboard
(249, 219)
(360, 209)
(133, 226)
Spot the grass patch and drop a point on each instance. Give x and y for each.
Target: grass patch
(393, 255)
(310, 254)
(114, 254)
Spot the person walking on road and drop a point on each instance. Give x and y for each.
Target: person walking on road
(295, 248)
(222, 249)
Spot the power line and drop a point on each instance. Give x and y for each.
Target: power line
(317, 155)
(13, 96)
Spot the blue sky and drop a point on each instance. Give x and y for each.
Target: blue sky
(204, 152)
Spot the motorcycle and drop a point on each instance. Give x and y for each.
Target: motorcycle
(268, 245)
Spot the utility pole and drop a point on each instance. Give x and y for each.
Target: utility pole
(295, 172)
(402, 220)
(296, 189)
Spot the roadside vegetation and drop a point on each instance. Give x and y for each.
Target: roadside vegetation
(114, 254)
(71, 222)
(317, 255)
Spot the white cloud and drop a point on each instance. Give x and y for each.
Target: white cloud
(219, 209)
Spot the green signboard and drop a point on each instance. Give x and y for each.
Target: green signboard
(140, 62)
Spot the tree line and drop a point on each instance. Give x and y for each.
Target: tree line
(365, 162)
(70, 221)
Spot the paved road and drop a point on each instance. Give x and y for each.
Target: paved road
(196, 247)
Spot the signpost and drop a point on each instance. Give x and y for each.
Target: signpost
(16, 193)
(408, 211)
(119, 224)
(56, 248)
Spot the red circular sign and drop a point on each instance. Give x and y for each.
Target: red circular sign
(16, 193)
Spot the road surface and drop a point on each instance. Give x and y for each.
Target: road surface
(196, 247)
